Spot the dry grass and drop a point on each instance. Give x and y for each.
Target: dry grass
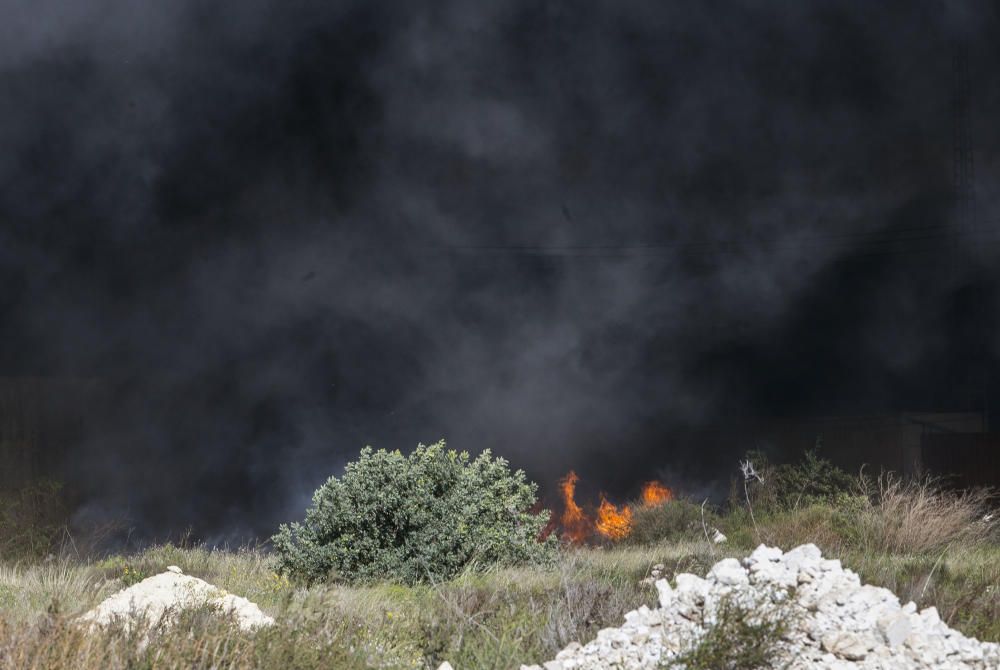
(492, 619)
(817, 524)
(495, 619)
(200, 640)
(27, 592)
(886, 515)
(902, 516)
(962, 582)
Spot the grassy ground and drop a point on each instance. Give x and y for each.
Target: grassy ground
(496, 619)
(925, 544)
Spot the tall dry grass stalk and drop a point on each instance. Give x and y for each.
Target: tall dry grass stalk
(28, 591)
(917, 516)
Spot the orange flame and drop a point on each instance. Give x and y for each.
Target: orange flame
(575, 524)
(655, 493)
(613, 523)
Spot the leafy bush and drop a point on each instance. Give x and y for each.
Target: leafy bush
(674, 520)
(422, 517)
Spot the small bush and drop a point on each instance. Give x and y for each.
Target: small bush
(791, 486)
(422, 517)
(674, 520)
(117, 567)
(742, 638)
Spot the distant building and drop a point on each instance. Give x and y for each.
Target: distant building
(955, 444)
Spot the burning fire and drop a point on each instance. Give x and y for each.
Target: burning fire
(654, 493)
(575, 524)
(612, 522)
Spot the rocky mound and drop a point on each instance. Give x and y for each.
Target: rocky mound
(831, 621)
(160, 598)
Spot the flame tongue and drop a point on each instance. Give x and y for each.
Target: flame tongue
(654, 493)
(576, 525)
(613, 523)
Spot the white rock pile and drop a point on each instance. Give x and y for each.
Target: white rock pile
(833, 622)
(160, 598)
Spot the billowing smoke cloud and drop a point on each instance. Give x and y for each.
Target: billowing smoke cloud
(278, 231)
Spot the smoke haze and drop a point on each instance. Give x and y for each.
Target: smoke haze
(279, 231)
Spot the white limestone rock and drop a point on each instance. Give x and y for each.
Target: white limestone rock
(666, 594)
(763, 553)
(160, 598)
(846, 645)
(691, 587)
(728, 572)
(834, 622)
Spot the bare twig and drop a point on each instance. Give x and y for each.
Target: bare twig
(749, 474)
(931, 574)
(704, 527)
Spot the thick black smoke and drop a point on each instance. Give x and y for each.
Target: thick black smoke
(279, 231)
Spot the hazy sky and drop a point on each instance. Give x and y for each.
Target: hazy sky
(279, 231)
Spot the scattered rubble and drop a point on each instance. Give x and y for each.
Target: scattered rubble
(833, 622)
(158, 599)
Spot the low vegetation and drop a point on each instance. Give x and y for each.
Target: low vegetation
(678, 520)
(479, 619)
(418, 518)
(500, 610)
(742, 638)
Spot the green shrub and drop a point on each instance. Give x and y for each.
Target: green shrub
(674, 520)
(790, 486)
(742, 637)
(422, 517)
